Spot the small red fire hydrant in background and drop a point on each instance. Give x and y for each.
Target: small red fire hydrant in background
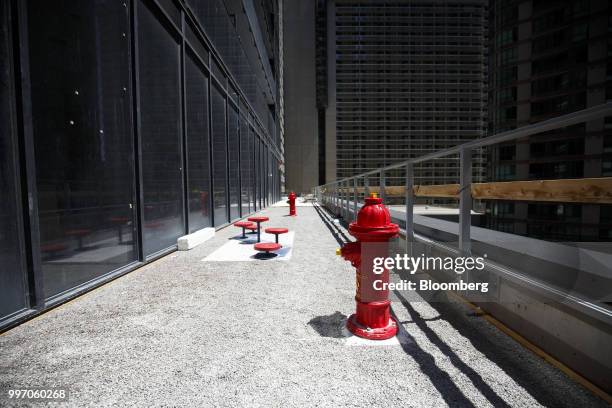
(291, 202)
(373, 230)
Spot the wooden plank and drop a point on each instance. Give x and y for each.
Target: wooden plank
(441, 191)
(587, 190)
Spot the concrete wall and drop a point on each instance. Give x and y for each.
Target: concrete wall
(301, 149)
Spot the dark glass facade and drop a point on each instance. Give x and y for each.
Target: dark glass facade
(550, 58)
(13, 298)
(117, 137)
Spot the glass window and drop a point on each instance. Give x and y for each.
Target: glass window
(82, 138)
(219, 157)
(245, 165)
(196, 88)
(12, 271)
(160, 114)
(253, 167)
(234, 162)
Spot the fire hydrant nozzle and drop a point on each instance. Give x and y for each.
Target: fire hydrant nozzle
(338, 251)
(373, 230)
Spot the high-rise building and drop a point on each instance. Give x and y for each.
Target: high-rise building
(125, 125)
(548, 58)
(397, 80)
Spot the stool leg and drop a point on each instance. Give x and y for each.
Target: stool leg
(277, 238)
(258, 232)
(243, 233)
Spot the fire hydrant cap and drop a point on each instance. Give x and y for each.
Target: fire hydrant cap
(374, 218)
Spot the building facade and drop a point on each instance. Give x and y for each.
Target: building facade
(400, 79)
(548, 58)
(125, 125)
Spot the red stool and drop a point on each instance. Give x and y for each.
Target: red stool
(276, 232)
(258, 220)
(252, 228)
(244, 225)
(266, 249)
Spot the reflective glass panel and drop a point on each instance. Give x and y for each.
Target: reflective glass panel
(219, 157)
(196, 88)
(245, 163)
(79, 69)
(160, 112)
(234, 162)
(12, 278)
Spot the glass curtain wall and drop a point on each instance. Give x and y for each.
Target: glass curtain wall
(79, 77)
(198, 151)
(160, 124)
(245, 163)
(103, 142)
(219, 157)
(234, 161)
(12, 271)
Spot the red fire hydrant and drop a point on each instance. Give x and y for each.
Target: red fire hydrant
(291, 202)
(373, 230)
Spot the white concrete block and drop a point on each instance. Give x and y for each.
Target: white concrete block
(190, 241)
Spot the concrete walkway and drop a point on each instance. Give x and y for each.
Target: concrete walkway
(183, 332)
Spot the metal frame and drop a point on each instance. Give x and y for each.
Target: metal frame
(465, 198)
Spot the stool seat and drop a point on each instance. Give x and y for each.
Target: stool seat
(267, 246)
(244, 225)
(276, 231)
(258, 219)
(251, 227)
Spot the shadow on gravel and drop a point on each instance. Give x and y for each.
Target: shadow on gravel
(336, 231)
(330, 325)
(443, 379)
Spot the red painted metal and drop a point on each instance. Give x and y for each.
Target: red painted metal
(373, 230)
(267, 246)
(244, 225)
(258, 220)
(291, 202)
(276, 231)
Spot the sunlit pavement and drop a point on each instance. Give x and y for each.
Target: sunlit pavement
(184, 332)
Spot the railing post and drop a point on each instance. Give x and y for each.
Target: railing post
(409, 208)
(366, 187)
(355, 199)
(383, 185)
(465, 200)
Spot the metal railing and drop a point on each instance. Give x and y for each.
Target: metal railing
(336, 193)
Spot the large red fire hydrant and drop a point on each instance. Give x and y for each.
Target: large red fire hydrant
(291, 202)
(373, 230)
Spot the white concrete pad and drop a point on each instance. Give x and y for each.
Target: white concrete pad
(190, 241)
(241, 249)
(397, 340)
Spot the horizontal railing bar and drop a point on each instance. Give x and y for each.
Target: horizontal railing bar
(585, 190)
(584, 115)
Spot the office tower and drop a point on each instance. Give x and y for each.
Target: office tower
(397, 80)
(548, 58)
(125, 125)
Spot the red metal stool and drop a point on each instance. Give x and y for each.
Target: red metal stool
(244, 225)
(258, 220)
(252, 228)
(276, 231)
(266, 249)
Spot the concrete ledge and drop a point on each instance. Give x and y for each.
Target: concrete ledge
(190, 241)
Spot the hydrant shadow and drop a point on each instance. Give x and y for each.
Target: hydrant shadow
(330, 325)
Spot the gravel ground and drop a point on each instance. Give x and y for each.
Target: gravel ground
(183, 332)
